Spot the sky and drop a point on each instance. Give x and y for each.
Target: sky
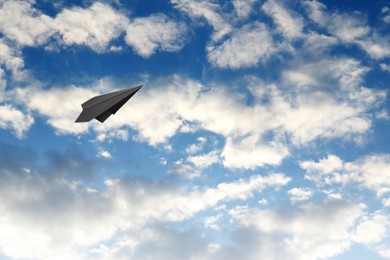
(261, 132)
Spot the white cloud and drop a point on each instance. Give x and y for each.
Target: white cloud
(316, 42)
(210, 222)
(204, 160)
(185, 170)
(288, 23)
(250, 152)
(377, 46)
(319, 115)
(386, 14)
(371, 171)
(385, 67)
(311, 231)
(300, 78)
(316, 170)
(346, 27)
(120, 134)
(147, 35)
(300, 194)
(3, 84)
(20, 22)
(183, 95)
(334, 117)
(243, 189)
(243, 8)
(94, 27)
(14, 119)
(245, 48)
(386, 202)
(194, 148)
(10, 58)
(350, 28)
(104, 154)
(372, 229)
(384, 251)
(209, 11)
(162, 161)
(193, 165)
(46, 103)
(347, 73)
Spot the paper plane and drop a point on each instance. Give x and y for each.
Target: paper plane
(103, 106)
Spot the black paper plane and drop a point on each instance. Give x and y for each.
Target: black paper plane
(101, 107)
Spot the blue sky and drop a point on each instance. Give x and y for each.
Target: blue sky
(261, 132)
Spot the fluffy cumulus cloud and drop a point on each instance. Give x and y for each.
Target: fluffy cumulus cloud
(14, 119)
(251, 152)
(246, 48)
(147, 35)
(372, 229)
(324, 166)
(24, 24)
(94, 27)
(46, 104)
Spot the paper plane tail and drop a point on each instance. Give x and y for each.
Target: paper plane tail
(103, 116)
(82, 118)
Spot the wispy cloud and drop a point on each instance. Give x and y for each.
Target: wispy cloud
(208, 10)
(288, 23)
(350, 28)
(243, 49)
(369, 171)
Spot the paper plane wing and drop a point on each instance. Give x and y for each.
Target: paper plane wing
(103, 106)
